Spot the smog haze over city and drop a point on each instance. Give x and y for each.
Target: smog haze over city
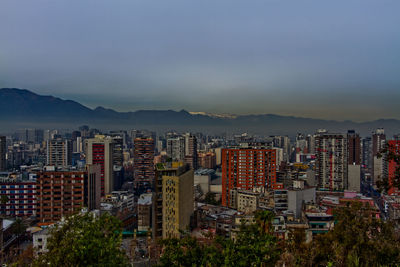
(319, 59)
(199, 133)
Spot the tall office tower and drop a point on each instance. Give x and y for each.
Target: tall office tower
(378, 163)
(367, 154)
(378, 141)
(173, 201)
(191, 150)
(176, 148)
(354, 148)
(248, 168)
(3, 152)
(301, 143)
(99, 150)
(394, 147)
(62, 193)
(354, 161)
(331, 163)
(59, 152)
(118, 149)
(311, 143)
(143, 162)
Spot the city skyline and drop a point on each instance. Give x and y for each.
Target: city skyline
(321, 60)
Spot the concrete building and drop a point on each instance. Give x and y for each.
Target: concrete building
(247, 201)
(99, 150)
(202, 177)
(3, 153)
(299, 195)
(191, 156)
(178, 203)
(367, 154)
(354, 178)
(354, 161)
(144, 211)
(176, 148)
(173, 199)
(207, 160)
(246, 169)
(353, 148)
(331, 163)
(218, 155)
(21, 197)
(39, 240)
(59, 152)
(280, 200)
(62, 193)
(378, 163)
(143, 161)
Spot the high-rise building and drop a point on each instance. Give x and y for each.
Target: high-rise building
(177, 201)
(248, 169)
(176, 148)
(62, 193)
(21, 197)
(311, 143)
(354, 148)
(207, 160)
(284, 143)
(118, 148)
(394, 147)
(378, 163)
(3, 152)
(378, 141)
(331, 163)
(99, 150)
(59, 152)
(191, 150)
(367, 154)
(353, 161)
(178, 178)
(143, 161)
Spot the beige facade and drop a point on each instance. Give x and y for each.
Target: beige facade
(247, 201)
(177, 203)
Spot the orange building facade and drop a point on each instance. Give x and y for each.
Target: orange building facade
(247, 169)
(394, 147)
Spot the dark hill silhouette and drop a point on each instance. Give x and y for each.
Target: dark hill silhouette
(23, 108)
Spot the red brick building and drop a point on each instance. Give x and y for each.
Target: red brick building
(62, 193)
(246, 169)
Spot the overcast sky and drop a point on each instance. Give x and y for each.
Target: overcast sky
(323, 59)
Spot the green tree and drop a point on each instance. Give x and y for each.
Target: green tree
(358, 239)
(85, 240)
(253, 246)
(4, 199)
(210, 199)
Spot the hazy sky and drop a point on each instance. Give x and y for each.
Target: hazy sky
(325, 59)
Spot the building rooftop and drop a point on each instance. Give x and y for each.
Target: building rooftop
(145, 199)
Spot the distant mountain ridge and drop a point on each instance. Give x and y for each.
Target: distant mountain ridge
(22, 108)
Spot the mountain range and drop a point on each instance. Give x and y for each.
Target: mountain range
(21, 108)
